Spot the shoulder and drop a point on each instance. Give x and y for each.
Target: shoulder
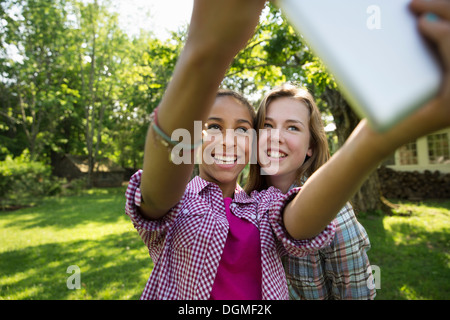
(273, 193)
(349, 232)
(346, 218)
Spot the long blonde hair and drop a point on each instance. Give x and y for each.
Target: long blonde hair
(318, 142)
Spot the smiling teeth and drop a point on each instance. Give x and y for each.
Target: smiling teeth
(276, 154)
(224, 159)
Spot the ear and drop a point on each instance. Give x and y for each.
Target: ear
(309, 153)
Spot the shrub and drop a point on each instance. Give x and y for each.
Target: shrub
(23, 182)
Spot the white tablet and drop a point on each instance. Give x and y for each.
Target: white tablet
(375, 52)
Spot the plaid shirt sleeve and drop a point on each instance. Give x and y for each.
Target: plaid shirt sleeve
(338, 271)
(347, 259)
(291, 246)
(152, 232)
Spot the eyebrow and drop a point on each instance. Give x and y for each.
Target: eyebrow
(289, 120)
(221, 120)
(244, 121)
(215, 119)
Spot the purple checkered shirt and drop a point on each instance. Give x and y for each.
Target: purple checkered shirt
(187, 243)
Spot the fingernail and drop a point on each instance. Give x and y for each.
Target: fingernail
(431, 17)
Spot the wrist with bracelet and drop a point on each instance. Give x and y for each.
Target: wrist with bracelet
(165, 140)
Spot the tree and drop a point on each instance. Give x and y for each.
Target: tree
(149, 65)
(32, 80)
(99, 56)
(369, 197)
(78, 84)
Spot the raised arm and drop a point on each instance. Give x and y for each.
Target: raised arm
(218, 30)
(329, 188)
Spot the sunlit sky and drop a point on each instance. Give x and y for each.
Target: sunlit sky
(158, 16)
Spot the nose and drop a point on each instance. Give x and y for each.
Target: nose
(228, 138)
(225, 143)
(276, 136)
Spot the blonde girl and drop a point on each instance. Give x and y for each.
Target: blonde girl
(341, 270)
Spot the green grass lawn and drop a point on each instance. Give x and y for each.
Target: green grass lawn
(412, 251)
(91, 231)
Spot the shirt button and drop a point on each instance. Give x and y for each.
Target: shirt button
(185, 211)
(254, 216)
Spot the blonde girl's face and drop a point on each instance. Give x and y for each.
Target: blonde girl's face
(284, 143)
(227, 135)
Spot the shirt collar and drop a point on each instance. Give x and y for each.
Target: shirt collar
(240, 196)
(198, 184)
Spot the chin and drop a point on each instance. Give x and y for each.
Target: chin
(226, 178)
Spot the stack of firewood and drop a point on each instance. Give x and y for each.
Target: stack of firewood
(414, 185)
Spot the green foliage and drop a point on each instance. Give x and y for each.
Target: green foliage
(275, 55)
(23, 181)
(78, 84)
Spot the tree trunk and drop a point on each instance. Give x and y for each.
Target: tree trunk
(32, 129)
(369, 197)
(90, 113)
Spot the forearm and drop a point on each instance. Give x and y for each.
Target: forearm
(218, 30)
(192, 90)
(187, 99)
(330, 187)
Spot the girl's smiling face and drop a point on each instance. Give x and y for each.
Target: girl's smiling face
(227, 135)
(284, 143)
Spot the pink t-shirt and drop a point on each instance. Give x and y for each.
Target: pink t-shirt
(240, 271)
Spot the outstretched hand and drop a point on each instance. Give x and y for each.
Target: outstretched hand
(224, 24)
